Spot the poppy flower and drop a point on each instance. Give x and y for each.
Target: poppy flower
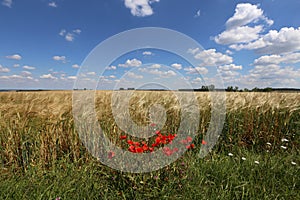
(130, 142)
(145, 147)
(136, 144)
(204, 142)
(151, 149)
(139, 150)
(131, 148)
(123, 137)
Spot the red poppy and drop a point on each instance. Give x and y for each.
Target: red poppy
(204, 142)
(131, 148)
(192, 146)
(123, 137)
(111, 154)
(151, 149)
(139, 150)
(137, 144)
(145, 147)
(130, 142)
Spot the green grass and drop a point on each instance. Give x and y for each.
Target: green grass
(218, 176)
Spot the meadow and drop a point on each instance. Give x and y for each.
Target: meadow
(256, 156)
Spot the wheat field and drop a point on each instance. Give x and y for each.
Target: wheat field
(38, 132)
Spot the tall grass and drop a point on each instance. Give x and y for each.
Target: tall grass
(38, 138)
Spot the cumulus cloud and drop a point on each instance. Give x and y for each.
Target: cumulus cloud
(161, 73)
(52, 4)
(131, 63)
(14, 57)
(155, 66)
(176, 66)
(147, 53)
(133, 75)
(70, 35)
(231, 67)
(47, 76)
(4, 69)
(240, 27)
(7, 3)
(275, 42)
(111, 67)
(290, 58)
(28, 67)
(60, 58)
(72, 77)
(76, 66)
(26, 73)
(211, 57)
(240, 34)
(140, 8)
(272, 75)
(196, 70)
(246, 13)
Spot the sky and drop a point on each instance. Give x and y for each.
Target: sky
(59, 44)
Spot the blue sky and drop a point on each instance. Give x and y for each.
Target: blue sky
(44, 44)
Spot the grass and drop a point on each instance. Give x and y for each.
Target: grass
(42, 157)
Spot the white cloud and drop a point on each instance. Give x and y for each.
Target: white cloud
(240, 34)
(62, 32)
(59, 58)
(246, 13)
(91, 73)
(26, 73)
(14, 57)
(112, 76)
(147, 53)
(4, 69)
(176, 66)
(7, 3)
(12, 77)
(131, 63)
(198, 13)
(230, 67)
(111, 67)
(47, 76)
(28, 67)
(275, 42)
(155, 66)
(140, 8)
(72, 77)
(272, 75)
(196, 70)
(133, 75)
(52, 4)
(70, 36)
(164, 74)
(210, 57)
(76, 66)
